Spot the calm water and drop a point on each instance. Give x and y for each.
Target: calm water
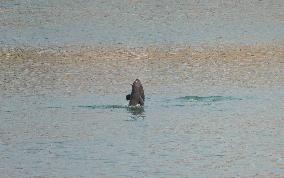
(136, 23)
(239, 133)
(66, 115)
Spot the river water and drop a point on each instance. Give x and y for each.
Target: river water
(136, 23)
(172, 136)
(213, 110)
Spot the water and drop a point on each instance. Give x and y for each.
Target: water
(64, 113)
(138, 23)
(172, 136)
(212, 72)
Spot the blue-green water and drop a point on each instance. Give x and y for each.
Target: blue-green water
(172, 136)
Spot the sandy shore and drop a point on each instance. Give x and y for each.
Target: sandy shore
(109, 69)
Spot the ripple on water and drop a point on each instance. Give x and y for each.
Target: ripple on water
(207, 98)
(136, 112)
(104, 106)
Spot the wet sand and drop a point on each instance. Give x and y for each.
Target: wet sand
(104, 70)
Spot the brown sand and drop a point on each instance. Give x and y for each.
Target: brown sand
(109, 69)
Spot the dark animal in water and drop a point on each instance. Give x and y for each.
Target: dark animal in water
(137, 96)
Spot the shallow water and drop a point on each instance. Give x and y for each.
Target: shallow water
(66, 116)
(172, 136)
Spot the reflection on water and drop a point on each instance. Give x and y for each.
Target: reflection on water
(137, 112)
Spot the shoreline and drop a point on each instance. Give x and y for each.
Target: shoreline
(106, 70)
(276, 48)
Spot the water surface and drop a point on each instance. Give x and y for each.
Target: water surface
(139, 23)
(72, 120)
